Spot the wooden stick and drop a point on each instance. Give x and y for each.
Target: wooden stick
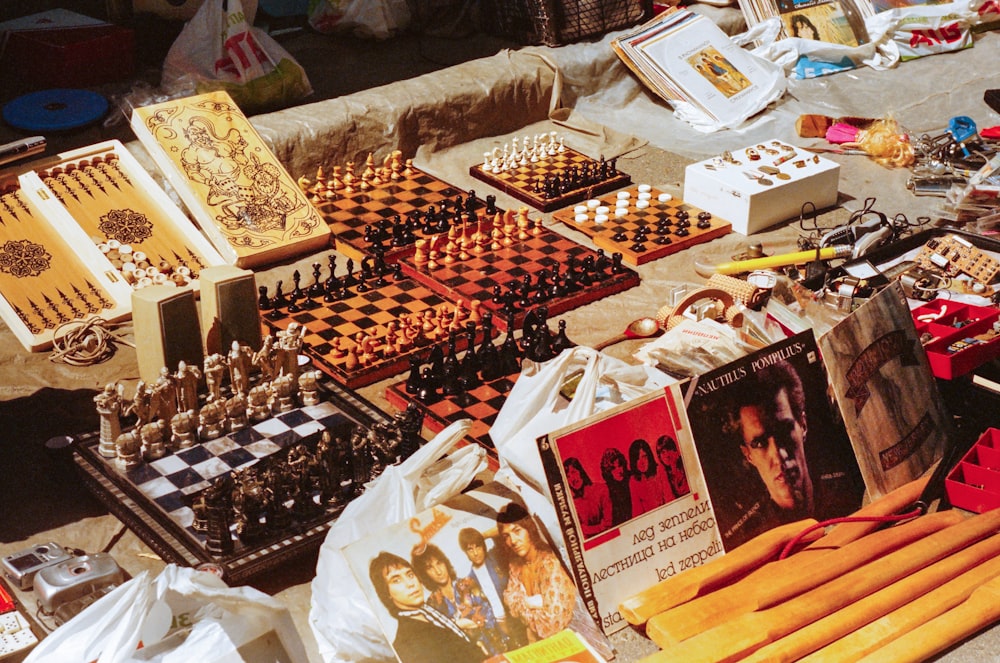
(748, 633)
(908, 617)
(674, 591)
(892, 502)
(838, 624)
(981, 609)
(637, 609)
(785, 579)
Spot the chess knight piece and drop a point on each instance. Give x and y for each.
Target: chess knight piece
(110, 404)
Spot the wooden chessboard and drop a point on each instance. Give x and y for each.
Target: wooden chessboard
(526, 181)
(666, 232)
(352, 213)
(483, 276)
(480, 405)
(332, 327)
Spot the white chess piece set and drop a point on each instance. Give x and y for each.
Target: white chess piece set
(532, 150)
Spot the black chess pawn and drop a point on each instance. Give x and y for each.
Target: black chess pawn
(427, 391)
(297, 292)
(263, 301)
(616, 263)
(471, 203)
(470, 365)
(561, 341)
(350, 279)
(491, 206)
(450, 368)
(413, 379)
(510, 352)
(397, 272)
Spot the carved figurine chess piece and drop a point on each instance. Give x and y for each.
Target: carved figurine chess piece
(215, 368)
(239, 361)
(283, 393)
(129, 450)
(154, 444)
(141, 405)
(184, 429)
(289, 347)
(259, 401)
(212, 420)
(236, 412)
(165, 395)
(309, 387)
(110, 404)
(187, 378)
(264, 359)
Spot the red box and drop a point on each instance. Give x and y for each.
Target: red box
(949, 326)
(70, 57)
(973, 484)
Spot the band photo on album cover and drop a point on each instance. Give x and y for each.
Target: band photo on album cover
(770, 447)
(469, 580)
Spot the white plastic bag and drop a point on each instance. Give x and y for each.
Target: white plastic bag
(808, 58)
(181, 615)
(926, 29)
(345, 627)
(365, 18)
(219, 49)
(536, 407)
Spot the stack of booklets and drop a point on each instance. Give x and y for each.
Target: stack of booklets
(691, 63)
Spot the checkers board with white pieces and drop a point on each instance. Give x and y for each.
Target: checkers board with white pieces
(643, 223)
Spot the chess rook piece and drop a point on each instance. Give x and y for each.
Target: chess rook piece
(110, 404)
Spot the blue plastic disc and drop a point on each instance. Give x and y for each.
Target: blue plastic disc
(59, 109)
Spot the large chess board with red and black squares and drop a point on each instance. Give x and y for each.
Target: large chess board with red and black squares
(480, 405)
(333, 327)
(553, 180)
(544, 269)
(643, 223)
(392, 213)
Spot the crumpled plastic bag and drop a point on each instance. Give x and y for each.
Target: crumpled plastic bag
(365, 18)
(341, 617)
(219, 49)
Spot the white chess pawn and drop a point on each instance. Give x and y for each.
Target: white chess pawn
(562, 148)
(487, 161)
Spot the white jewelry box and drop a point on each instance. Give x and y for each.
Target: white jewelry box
(762, 185)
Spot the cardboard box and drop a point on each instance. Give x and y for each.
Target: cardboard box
(757, 194)
(241, 195)
(60, 48)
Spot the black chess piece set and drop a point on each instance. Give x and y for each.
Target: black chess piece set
(555, 282)
(316, 477)
(576, 177)
(678, 227)
(374, 274)
(400, 231)
(445, 374)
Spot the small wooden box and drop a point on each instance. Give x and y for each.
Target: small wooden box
(240, 194)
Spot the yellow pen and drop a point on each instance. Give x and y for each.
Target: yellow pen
(784, 259)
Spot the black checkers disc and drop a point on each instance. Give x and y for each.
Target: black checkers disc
(60, 109)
